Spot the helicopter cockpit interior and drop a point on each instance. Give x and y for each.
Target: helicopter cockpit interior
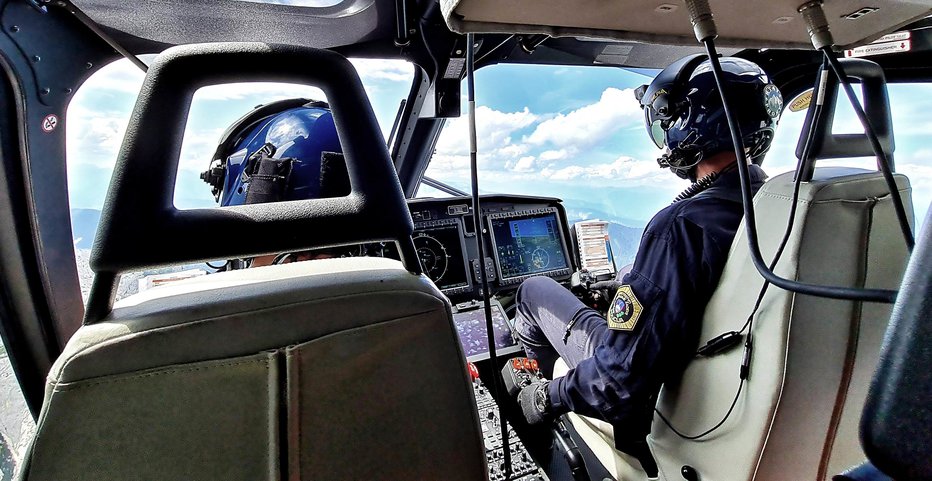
(377, 338)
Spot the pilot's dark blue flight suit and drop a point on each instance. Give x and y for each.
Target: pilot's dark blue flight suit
(653, 327)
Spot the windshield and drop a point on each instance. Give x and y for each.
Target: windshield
(577, 133)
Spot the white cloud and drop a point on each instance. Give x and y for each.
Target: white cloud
(117, 77)
(493, 130)
(268, 92)
(623, 172)
(197, 148)
(494, 133)
(383, 69)
(123, 77)
(94, 137)
(550, 155)
(591, 124)
(525, 164)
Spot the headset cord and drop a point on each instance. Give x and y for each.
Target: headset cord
(703, 184)
(697, 187)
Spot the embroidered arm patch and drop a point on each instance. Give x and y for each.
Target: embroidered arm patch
(625, 310)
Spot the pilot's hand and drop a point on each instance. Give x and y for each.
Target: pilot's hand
(534, 400)
(609, 286)
(602, 294)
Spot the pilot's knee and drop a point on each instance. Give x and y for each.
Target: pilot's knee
(535, 286)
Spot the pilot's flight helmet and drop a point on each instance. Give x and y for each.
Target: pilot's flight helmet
(274, 153)
(683, 111)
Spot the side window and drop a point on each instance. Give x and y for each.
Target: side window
(576, 133)
(910, 105)
(16, 424)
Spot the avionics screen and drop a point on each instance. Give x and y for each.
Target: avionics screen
(440, 250)
(528, 245)
(470, 325)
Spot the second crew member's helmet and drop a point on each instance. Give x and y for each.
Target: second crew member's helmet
(275, 153)
(683, 111)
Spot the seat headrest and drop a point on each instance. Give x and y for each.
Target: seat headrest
(141, 228)
(827, 145)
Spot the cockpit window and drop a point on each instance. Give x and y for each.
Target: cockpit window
(576, 133)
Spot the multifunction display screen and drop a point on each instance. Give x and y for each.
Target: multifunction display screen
(470, 325)
(441, 253)
(529, 244)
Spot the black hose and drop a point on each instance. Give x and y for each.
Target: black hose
(832, 292)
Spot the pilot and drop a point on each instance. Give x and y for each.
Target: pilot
(651, 330)
(284, 150)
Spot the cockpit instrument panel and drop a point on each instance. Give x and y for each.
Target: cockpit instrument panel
(522, 236)
(439, 246)
(528, 243)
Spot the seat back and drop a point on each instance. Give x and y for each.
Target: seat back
(797, 414)
(897, 417)
(329, 369)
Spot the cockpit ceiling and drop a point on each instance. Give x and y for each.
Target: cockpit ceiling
(155, 24)
(741, 23)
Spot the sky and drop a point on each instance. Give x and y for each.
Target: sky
(575, 133)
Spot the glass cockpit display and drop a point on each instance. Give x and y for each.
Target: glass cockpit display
(441, 253)
(528, 244)
(471, 328)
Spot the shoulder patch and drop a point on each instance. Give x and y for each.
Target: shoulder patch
(625, 310)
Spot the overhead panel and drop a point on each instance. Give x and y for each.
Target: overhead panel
(741, 23)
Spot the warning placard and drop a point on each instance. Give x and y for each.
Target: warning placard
(49, 123)
(880, 48)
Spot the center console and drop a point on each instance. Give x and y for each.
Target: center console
(523, 467)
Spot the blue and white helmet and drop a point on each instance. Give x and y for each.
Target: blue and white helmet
(683, 111)
(276, 149)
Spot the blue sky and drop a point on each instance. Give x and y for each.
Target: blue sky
(570, 132)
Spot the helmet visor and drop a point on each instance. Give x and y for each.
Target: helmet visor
(657, 133)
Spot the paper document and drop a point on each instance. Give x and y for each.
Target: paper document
(595, 249)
